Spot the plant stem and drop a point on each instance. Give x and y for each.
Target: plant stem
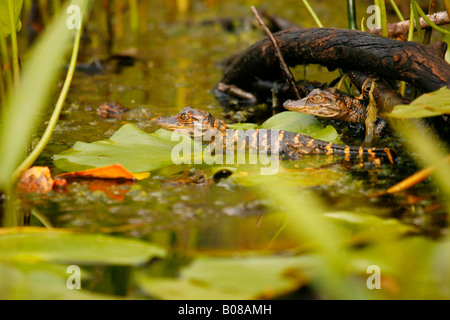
(383, 19)
(43, 6)
(447, 6)
(56, 6)
(119, 19)
(313, 14)
(429, 31)
(56, 112)
(134, 16)
(2, 88)
(42, 218)
(351, 15)
(6, 64)
(15, 48)
(397, 10)
(417, 20)
(425, 17)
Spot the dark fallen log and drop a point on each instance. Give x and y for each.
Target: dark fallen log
(385, 96)
(420, 65)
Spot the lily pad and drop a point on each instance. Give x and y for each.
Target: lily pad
(295, 122)
(427, 105)
(41, 281)
(221, 278)
(135, 149)
(175, 289)
(65, 247)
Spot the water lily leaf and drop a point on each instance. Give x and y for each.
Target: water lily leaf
(256, 277)
(243, 126)
(5, 25)
(135, 149)
(41, 281)
(369, 227)
(302, 174)
(295, 122)
(427, 105)
(219, 278)
(177, 289)
(63, 247)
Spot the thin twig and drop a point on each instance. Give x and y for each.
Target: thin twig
(395, 29)
(283, 64)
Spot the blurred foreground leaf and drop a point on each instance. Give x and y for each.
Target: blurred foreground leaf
(64, 247)
(228, 278)
(41, 281)
(427, 105)
(5, 25)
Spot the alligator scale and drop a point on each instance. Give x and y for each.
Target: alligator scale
(290, 144)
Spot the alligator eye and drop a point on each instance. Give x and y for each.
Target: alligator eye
(184, 117)
(316, 98)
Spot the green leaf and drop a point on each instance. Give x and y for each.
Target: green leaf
(427, 105)
(177, 289)
(301, 173)
(63, 247)
(369, 226)
(228, 278)
(136, 150)
(41, 281)
(295, 122)
(5, 25)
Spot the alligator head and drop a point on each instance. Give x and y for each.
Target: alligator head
(325, 103)
(196, 122)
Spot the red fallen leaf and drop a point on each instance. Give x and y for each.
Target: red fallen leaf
(36, 180)
(115, 171)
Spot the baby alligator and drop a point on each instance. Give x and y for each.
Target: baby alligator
(290, 144)
(334, 104)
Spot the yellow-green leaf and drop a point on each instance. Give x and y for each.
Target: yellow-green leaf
(427, 105)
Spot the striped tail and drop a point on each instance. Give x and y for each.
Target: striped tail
(350, 153)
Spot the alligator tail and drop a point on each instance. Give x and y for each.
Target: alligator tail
(350, 153)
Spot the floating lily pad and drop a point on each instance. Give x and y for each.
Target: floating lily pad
(41, 281)
(175, 289)
(228, 278)
(427, 105)
(135, 149)
(295, 122)
(64, 247)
